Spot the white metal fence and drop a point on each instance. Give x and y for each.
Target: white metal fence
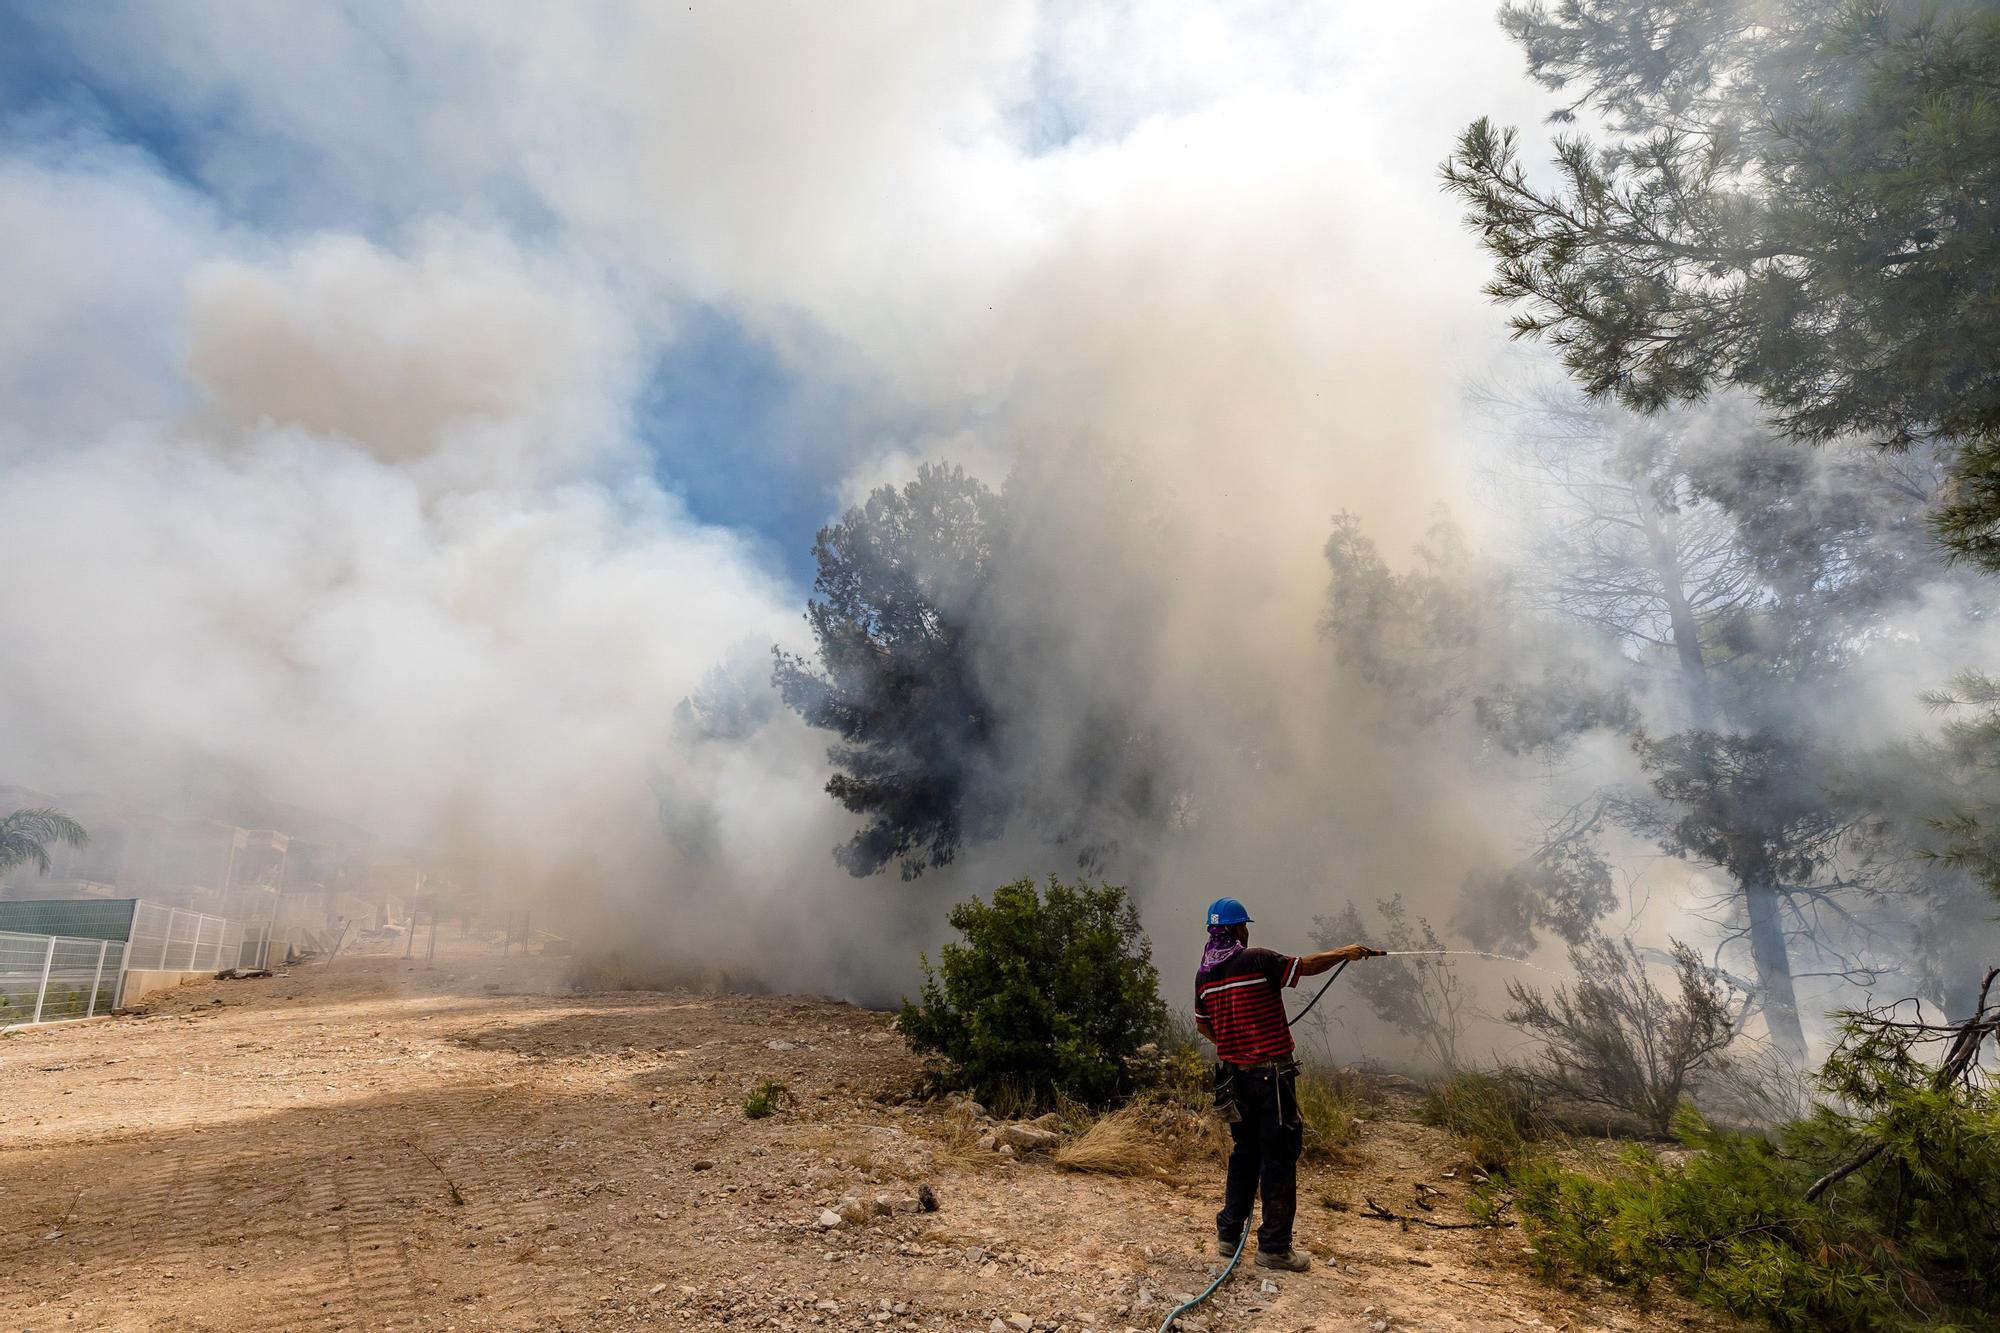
(173, 939)
(48, 978)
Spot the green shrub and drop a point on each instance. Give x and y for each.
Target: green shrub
(1910, 1239)
(1048, 992)
(764, 1099)
(1184, 1078)
(1492, 1116)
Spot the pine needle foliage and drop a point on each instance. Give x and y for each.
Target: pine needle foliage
(1795, 198)
(1049, 992)
(1880, 1212)
(900, 585)
(1965, 763)
(765, 1099)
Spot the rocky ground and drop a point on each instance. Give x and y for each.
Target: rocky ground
(377, 1145)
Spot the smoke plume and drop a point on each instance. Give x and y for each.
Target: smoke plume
(330, 466)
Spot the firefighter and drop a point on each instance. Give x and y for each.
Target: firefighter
(1238, 1006)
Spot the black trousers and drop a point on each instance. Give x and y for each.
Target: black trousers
(1263, 1106)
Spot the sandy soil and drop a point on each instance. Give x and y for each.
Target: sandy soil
(376, 1145)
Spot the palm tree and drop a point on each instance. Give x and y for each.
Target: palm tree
(25, 836)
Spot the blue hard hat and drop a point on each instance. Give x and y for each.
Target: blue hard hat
(1227, 912)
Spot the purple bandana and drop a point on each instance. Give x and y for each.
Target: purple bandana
(1222, 946)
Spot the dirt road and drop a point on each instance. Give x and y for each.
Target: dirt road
(373, 1145)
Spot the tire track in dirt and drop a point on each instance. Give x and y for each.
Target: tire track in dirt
(315, 1289)
(164, 1212)
(379, 1275)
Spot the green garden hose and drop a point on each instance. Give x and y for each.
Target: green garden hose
(1185, 1306)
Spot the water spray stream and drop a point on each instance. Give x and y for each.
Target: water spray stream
(1293, 1021)
(1474, 953)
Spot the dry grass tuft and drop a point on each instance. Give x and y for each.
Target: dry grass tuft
(1492, 1116)
(1123, 1143)
(955, 1144)
(1330, 1102)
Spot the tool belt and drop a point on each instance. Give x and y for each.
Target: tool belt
(1229, 1093)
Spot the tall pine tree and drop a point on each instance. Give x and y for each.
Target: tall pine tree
(1800, 198)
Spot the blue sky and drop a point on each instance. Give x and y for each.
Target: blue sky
(54, 87)
(737, 434)
(743, 440)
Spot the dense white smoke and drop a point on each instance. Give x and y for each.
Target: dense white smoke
(374, 537)
(323, 469)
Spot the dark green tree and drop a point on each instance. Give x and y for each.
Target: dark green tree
(1801, 198)
(903, 579)
(734, 701)
(1931, 805)
(940, 665)
(1730, 582)
(1563, 886)
(1430, 635)
(1046, 992)
(1963, 769)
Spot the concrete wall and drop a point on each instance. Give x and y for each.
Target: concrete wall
(141, 982)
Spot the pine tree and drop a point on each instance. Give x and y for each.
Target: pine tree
(1799, 198)
(901, 582)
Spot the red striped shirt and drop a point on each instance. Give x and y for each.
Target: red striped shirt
(1240, 1000)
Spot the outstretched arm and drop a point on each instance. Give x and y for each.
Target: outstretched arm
(1312, 964)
